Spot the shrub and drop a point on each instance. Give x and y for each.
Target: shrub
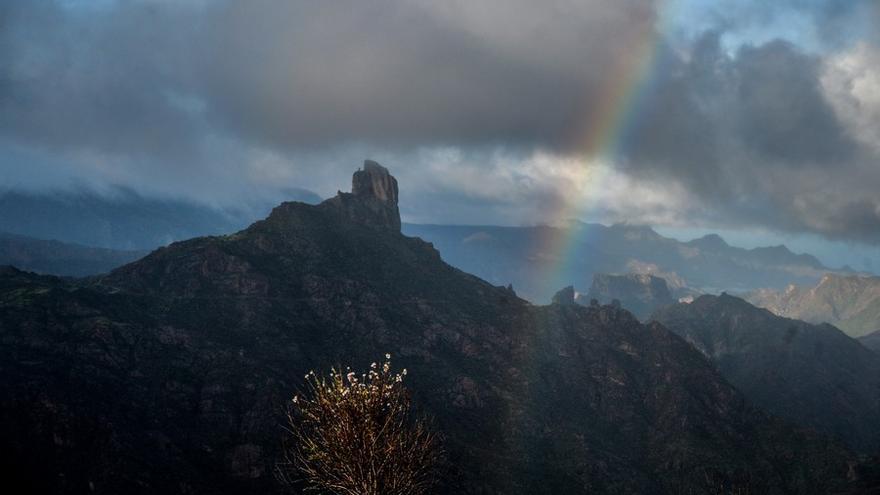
(357, 435)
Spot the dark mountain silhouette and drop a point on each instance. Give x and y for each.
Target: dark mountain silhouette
(60, 258)
(524, 256)
(851, 303)
(871, 341)
(170, 374)
(812, 374)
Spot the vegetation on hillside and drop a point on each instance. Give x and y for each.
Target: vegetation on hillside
(353, 434)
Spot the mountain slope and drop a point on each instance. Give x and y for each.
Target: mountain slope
(851, 303)
(871, 341)
(170, 374)
(527, 257)
(59, 258)
(812, 374)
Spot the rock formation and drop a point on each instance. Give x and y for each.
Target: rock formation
(638, 293)
(373, 198)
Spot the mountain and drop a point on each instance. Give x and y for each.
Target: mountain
(530, 258)
(871, 341)
(121, 218)
(814, 375)
(170, 374)
(640, 294)
(60, 258)
(851, 303)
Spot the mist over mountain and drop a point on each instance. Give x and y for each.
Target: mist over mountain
(122, 218)
(851, 303)
(814, 375)
(169, 374)
(59, 258)
(529, 257)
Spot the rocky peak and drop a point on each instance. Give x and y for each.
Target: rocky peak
(640, 293)
(373, 198)
(374, 181)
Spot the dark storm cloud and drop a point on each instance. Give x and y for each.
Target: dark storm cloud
(101, 81)
(754, 137)
(782, 113)
(765, 101)
(140, 76)
(213, 95)
(404, 73)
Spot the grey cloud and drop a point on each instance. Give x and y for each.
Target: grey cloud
(754, 137)
(99, 82)
(226, 97)
(782, 112)
(401, 73)
(153, 78)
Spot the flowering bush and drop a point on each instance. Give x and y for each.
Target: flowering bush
(353, 434)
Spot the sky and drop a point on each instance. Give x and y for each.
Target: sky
(744, 116)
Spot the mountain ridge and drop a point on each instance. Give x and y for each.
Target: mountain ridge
(524, 256)
(812, 374)
(169, 374)
(122, 218)
(851, 303)
(60, 258)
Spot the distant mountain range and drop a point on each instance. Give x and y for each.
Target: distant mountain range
(526, 257)
(60, 258)
(529, 258)
(851, 303)
(123, 219)
(814, 375)
(169, 374)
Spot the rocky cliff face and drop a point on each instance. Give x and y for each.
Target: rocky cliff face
(812, 374)
(373, 198)
(170, 374)
(852, 303)
(641, 294)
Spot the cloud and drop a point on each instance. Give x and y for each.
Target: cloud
(478, 107)
(851, 82)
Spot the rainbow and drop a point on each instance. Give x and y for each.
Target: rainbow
(623, 93)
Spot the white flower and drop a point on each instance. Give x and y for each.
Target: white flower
(387, 356)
